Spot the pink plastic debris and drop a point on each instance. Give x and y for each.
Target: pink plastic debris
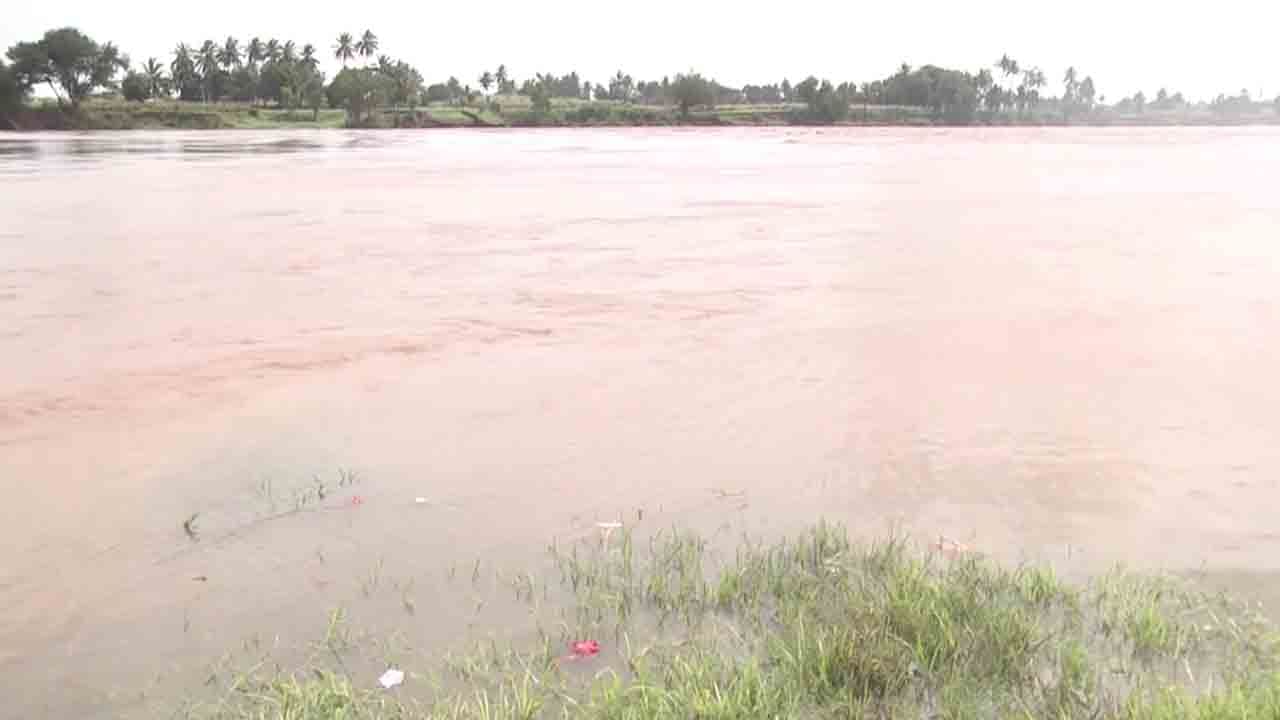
(583, 649)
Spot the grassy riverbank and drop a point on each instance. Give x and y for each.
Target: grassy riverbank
(516, 111)
(817, 627)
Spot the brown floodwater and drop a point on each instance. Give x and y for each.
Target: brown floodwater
(1056, 345)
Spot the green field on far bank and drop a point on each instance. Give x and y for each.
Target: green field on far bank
(814, 627)
(516, 111)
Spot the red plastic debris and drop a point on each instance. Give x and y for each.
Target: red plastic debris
(356, 500)
(583, 649)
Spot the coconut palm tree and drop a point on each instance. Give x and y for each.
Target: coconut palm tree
(183, 68)
(154, 72)
(229, 54)
(368, 44)
(1087, 92)
(486, 81)
(500, 77)
(289, 52)
(1032, 81)
(253, 52)
(1071, 85)
(983, 82)
(207, 66)
(1008, 66)
(309, 56)
(271, 51)
(343, 50)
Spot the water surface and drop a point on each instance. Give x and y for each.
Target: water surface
(1053, 344)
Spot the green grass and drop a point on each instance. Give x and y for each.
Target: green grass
(115, 114)
(105, 113)
(818, 627)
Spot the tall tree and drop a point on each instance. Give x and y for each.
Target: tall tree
(367, 45)
(156, 81)
(229, 55)
(1087, 92)
(207, 66)
(690, 91)
(309, 56)
(1008, 66)
(344, 50)
(289, 52)
(983, 82)
(271, 51)
(501, 78)
(183, 70)
(254, 52)
(109, 60)
(359, 91)
(12, 95)
(69, 62)
(1070, 84)
(621, 87)
(1070, 92)
(486, 81)
(1033, 80)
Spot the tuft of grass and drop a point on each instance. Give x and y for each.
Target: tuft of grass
(820, 626)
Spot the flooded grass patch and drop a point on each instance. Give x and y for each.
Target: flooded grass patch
(814, 626)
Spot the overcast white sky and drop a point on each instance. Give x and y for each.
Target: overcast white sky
(1199, 48)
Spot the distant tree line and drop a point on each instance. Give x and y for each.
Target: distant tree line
(72, 66)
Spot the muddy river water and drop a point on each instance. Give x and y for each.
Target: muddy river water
(1059, 345)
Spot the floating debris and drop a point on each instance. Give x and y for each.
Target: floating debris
(947, 546)
(606, 530)
(391, 678)
(583, 649)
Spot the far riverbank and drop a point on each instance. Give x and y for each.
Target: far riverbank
(114, 114)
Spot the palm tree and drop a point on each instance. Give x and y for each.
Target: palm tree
(272, 51)
(1087, 92)
(109, 54)
(207, 65)
(309, 56)
(486, 81)
(289, 52)
(154, 73)
(254, 52)
(343, 50)
(368, 44)
(229, 55)
(1032, 81)
(183, 68)
(1008, 66)
(1071, 86)
(500, 77)
(983, 82)
(1070, 91)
